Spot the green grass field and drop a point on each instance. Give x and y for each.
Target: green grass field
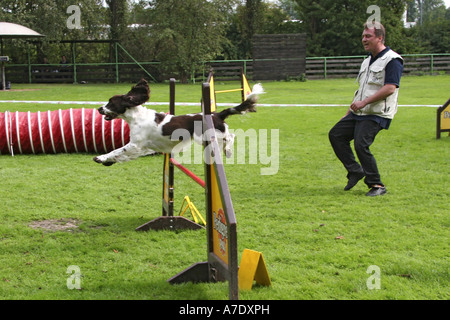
(317, 240)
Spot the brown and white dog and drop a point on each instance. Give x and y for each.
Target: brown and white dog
(153, 132)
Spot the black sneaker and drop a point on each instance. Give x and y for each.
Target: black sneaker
(353, 180)
(376, 190)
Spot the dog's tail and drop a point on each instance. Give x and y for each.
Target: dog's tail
(249, 105)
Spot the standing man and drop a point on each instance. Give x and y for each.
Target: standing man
(373, 108)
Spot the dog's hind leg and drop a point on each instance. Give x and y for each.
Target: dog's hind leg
(228, 142)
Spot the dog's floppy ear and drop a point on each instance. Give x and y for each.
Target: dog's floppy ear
(139, 94)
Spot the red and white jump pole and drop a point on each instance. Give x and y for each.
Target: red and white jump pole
(188, 172)
(60, 131)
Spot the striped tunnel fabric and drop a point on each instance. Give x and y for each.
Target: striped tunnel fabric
(61, 131)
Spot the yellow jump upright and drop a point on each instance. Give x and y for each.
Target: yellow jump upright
(252, 268)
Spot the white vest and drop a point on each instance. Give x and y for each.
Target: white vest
(371, 79)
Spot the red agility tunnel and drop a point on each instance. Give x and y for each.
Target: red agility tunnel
(60, 131)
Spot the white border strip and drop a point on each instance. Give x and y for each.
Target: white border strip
(49, 115)
(30, 131)
(8, 135)
(93, 130)
(112, 135)
(103, 134)
(40, 132)
(122, 132)
(73, 130)
(18, 131)
(62, 129)
(83, 129)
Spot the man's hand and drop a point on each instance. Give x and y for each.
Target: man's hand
(381, 94)
(355, 106)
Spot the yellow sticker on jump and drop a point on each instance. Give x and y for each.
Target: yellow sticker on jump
(445, 118)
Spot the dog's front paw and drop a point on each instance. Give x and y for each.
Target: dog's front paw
(105, 163)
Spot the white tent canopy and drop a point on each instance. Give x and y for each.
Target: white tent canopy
(10, 30)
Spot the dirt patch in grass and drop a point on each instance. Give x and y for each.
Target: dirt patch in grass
(56, 224)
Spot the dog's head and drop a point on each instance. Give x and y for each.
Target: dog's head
(118, 104)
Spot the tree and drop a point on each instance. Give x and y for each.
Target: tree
(251, 21)
(334, 27)
(117, 22)
(49, 17)
(433, 34)
(186, 33)
(421, 10)
(290, 7)
(257, 17)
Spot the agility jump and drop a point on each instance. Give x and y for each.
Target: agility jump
(222, 264)
(443, 119)
(168, 220)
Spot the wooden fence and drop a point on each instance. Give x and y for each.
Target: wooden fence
(278, 56)
(344, 67)
(332, 67)
(82, 73)
(316, 68)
